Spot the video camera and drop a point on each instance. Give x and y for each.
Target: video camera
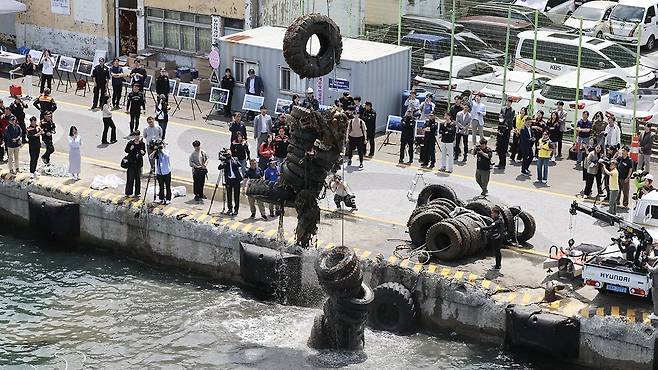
(224, 155)
(640, 174)
(157, 144)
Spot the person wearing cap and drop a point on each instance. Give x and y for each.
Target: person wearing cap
(369, 116)
(162, 87)
(136, 150)
(625, 168)
(646, 143)
(310, 102)
(412, 103)
(262, 126)
(12, 136)
(478, 111)
(644, 185)
(198, 161)
(426, 107)
(34, 144)
(100, 75)
(163, 172)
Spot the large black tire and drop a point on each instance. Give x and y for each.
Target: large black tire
(465, 232)
(335, 263)
(420, 224)
(444, 242)
(345, 286)
(508, 218)
(515, 210)
(478, 241)
(393, 309)
(296, 38)
(481, 207)
(268, 191)
(443, 202)
(435, 191)
(529, 227)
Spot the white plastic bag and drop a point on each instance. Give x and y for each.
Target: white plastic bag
(109, 181)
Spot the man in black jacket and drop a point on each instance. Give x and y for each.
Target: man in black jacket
(448, 132)
(47, 132)
(162, 86)
(407, 136)
(233, 179)
(136, 103)
(483, 166)
(526, 142)
(430, 128)
(370, 118)
(138, 75)
(646, 142)
(227, 83)
(497, 234)
(45, 103)
(505, 125)
(100, 74)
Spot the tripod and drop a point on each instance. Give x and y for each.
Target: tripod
(212, 199)
(419, 177)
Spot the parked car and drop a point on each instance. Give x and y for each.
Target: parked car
(493, 30)
(428, 25)
(595, 16)
(646, 111)
(519, 12)
(563, 88)
(518, 87)
(626, 17)
(557, 53)
(467, 74)
(556, 10)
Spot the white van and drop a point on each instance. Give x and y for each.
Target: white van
(626, 17)
(557, 53)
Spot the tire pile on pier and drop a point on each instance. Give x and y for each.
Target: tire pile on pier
(449, 229)
(345, 313)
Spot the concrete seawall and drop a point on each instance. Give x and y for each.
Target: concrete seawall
(448, 299)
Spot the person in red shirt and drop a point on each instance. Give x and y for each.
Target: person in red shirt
(266, 152)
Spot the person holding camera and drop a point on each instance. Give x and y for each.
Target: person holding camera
(545, 150)
(233, 178)
(152, 135)
(240, 151)
(625, 168)
(136, 150)
(342, 192)
(162, 170)
(483, 165)
(198, 161)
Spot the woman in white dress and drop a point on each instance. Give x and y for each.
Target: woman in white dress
(75, 142)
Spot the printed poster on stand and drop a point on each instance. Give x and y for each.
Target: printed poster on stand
(394, 124)
(282, 106)
(252, 102)
(219, 96)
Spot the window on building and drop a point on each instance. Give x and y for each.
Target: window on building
(233, 25)
(178, 31)
(241, 69)
(289, 81)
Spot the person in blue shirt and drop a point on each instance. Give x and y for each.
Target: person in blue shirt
(271, 172)
(162, 171)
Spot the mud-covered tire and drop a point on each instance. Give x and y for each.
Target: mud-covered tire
(393, 309)
(481, 207)
(465, 232)
(515, 210)
(268, 191)
(508, 218)
(420, 224)
(435, 191)
(529, 227)
(451, 205)
(335, 263)
(345, 286)
(296, 38)
(444, 242)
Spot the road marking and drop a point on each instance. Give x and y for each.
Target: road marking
(225, 222)
(212, 220)
(472, 278)
(511, 297)
(459, 275)
(115, 199)
(645, 317)
(431, 269)
(247, 228)
(271, 233)
(418, 267)
(169, 210)
(614, 311)
(202, 217)
(236, 225)
(526, 298)
(486, 283)
(585, 312)
(392, 260)
(404, 263)
(630, 314)
(445, 272)
(600, 311)
(87, 192)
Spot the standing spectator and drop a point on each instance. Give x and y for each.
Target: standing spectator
(369, 116)
(294, 102)
(136, 103)
(584, 130)
(47, 69)
(100, 74)
(262, 126)
(45, 103)
(356, 136)
(48, 130)
(407, 136)
(519, 125)
(198, 161)
(412, 103)
(254, 173)
(233, 180)
(346, 100)
(562, 118)
(430, 130)
(426, 107)
(34, 142)
(538, 128)
(162, 87)
(456, 108)
(505, 125)
(18, 110)
(266, 152)
(612, 134)
(625, 169)
(227, 83)
(152, 135)
(117, 83)
(254, 86)
(237, 126)
(280, 145)
(281, 123)
(4, 124)
(310, 102)
(163, 173)
(497, 235)
(646, 142)
(613, 186)
(483, 171)
(598, 128)
(554, 133)
(271, 174)
(27, 70)
(12, 136)
(136, 151)
(240, 151)
(543, 156)
(358, 107)
(477, 125)
(108, 123)
(462, 123)
(75, 143)
(526, 141)
(138, 75)
(448, 131)
(593, 171)
(162, 113)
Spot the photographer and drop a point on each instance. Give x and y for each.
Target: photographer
(136, 151)
(643, 184)
(152, 135)
(233, 179)
(483, 171)
(343, 193)
(198, 161)
(162, 170)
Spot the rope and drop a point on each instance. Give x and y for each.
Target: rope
(416, 255)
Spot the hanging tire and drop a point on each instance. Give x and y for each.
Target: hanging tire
(529, 227)
(296, 38)
(444, 241)
(420, 224)
(393, 309)
(335, 263)
(434, 191)
(481, 207)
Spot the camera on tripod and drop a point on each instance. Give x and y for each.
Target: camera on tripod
(155, 145)
(224, 155)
